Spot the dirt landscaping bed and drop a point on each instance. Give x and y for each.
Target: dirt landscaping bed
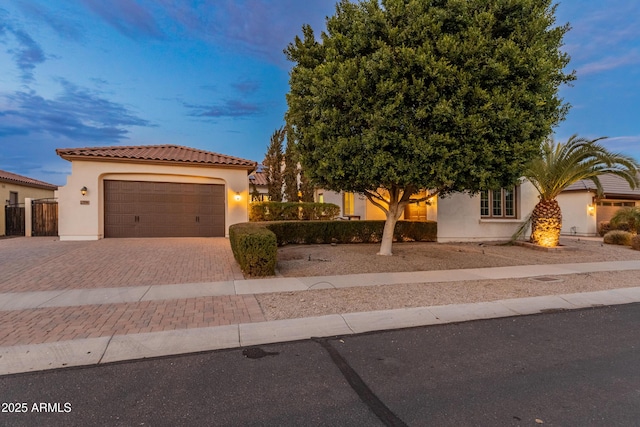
(324, 260)
(319, 260)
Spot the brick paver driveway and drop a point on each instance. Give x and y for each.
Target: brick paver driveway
(30, 264)
(45, 263)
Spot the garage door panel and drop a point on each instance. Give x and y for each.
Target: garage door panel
(162, 209)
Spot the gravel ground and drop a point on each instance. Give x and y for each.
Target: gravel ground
(319, 260)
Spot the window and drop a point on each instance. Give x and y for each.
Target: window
(348, 201)
(627, 204)
(498, 203)
(13, 198)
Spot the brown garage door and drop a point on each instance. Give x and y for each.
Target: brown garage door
(163, 209)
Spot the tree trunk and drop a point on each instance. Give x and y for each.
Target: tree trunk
(389, 227)
(546, 223)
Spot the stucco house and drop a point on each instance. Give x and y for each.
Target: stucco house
(258, 185)
(583, 210)
(15, 188)
(491, 215)
(151, 191)
(357, 206)
(497, 215)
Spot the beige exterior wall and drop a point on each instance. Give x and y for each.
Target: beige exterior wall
(359, 203)
(459, 218)
(367, 210)
(23, 192)
(86, 221)
(577, 219)
(607, 208)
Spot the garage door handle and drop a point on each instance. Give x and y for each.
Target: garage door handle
(136, 218)
(197, 219)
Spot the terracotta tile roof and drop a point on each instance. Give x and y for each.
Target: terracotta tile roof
(258, 177)
(23, 180)
(614, 187)
(156, 153)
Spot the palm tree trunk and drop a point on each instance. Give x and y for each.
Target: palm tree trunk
(546, 223)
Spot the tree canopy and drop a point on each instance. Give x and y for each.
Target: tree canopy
(443, 95)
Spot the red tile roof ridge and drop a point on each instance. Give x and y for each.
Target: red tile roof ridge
(154, 152)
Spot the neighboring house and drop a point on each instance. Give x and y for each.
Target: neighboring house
(258, 185)
(15, 188)
(151, 191)
(582, 210)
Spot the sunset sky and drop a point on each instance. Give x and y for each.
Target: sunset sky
(211, 74)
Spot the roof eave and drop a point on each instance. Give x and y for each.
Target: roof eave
(28, 184)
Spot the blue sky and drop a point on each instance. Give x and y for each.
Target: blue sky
(211, 74)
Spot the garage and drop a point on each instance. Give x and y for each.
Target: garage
(152, 191)
(163, 209)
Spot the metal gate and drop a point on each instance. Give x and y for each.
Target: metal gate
(44, 217)
(14, 220)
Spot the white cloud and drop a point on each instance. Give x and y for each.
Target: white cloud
(609, 63)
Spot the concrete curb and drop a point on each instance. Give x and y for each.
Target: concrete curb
(92, 351)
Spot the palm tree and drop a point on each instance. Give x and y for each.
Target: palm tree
(629, 216)
(562, 164)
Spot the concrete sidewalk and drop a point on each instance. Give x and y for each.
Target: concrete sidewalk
(252, 330)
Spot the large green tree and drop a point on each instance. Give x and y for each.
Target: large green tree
(560, 165)
(445, 95)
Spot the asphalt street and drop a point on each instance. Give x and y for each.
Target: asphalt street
(571, 368)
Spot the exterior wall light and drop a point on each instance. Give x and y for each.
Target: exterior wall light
(83, 191)
(237, 197)
(591, 209)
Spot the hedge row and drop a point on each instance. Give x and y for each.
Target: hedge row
(310, 232)
(254, 244)
(287, 211)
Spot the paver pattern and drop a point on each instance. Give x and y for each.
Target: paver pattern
(35, 326)
(45, 263)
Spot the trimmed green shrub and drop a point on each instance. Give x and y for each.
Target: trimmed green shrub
(310, 232)
(287, 211)
(627, 218)
(318, 211)
(255, 248)
(635, 242)
(618, 237)
(603, 228)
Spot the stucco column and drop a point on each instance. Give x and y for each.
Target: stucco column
(28, 215)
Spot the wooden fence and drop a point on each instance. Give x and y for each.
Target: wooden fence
(14, 220)
(44, 218)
